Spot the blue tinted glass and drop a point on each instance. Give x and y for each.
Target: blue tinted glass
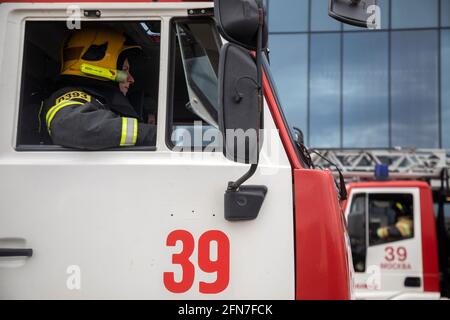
(415, 89)
(320, 20)
(445, 13)
(325, 88)
(445, 85)
(289, 59)
(384, 11)
(414, 13)
(288, 15)
(365, 90)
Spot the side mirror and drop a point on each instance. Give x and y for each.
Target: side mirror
(238, 22)
(356, 226)
(357, 233)
(239, 115)
(243, 24)
(360, 13)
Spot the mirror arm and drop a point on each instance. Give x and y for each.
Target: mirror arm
(233, 186)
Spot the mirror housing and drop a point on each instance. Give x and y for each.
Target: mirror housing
(238, 22)
(356, 226)
(245, 204)
(239, 115)
(359, 13)
(243, 23)
(357, 233)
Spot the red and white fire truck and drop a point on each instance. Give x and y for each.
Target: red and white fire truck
(392, 262)
(168, 221)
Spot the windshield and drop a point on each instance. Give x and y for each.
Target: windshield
(200, 53)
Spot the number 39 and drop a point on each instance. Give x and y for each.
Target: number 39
(221, 265)
(401, 254)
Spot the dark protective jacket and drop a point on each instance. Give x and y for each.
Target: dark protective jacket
(93, 115)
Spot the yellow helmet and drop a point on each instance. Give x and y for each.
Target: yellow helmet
(94, 53)
(400, 209)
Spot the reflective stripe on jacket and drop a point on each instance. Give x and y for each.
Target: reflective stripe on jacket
(403, 228)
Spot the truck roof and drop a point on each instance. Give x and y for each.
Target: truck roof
(389, 184)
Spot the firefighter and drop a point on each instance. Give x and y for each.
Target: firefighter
(90, 109)
(403, 228)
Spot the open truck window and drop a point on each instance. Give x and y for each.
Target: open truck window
(391, 218)
(193, 85)
(388, 217)
(42, 64)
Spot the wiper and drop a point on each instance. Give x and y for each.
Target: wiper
(341, 187)
(305, 153)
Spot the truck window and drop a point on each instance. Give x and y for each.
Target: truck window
(43, 63)
(391, 218)
(193, 101)
(357, 231)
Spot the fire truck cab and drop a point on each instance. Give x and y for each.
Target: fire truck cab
(411, 264)
(181, 219)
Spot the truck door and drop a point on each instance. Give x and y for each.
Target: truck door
(385, 233)
(136, 223)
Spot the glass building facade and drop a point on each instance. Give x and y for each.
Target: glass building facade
(348, 87)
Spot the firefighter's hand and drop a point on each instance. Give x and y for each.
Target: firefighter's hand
(382, 233)
(379, 233)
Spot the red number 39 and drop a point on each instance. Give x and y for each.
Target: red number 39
(220, 266)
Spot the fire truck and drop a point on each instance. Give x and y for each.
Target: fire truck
(179, 219)
(391, 263)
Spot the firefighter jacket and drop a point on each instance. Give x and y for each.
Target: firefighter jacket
(94, 116)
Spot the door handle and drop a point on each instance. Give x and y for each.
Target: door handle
(412, 282)
(6, 252)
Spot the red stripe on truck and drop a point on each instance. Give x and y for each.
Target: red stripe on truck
(279, 122)
(430, 258)
(321, 261)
